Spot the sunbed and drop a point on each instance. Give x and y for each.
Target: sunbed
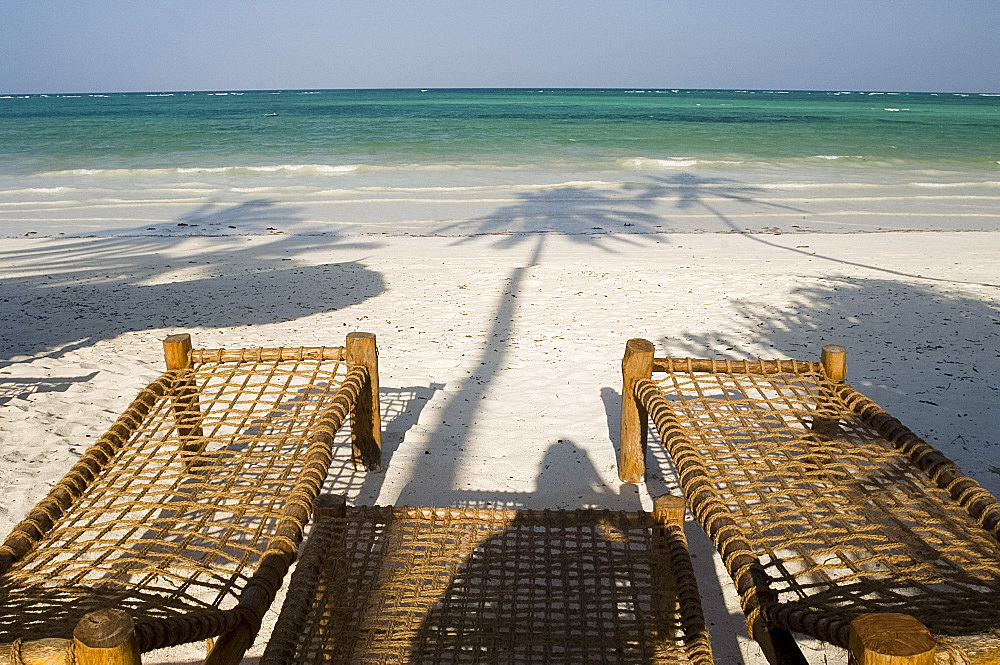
(832, 518)
(395, 585)
(179, 524)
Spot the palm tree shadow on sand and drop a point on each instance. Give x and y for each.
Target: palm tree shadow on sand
(693, 191)
(925, 352)
(499, 587)
(894, 331)
(584, 215)
(73, 293)
(594, 217)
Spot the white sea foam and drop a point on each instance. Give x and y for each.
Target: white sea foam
(115, 200)
(524, 187)
(652, 163)
(894, 197)
(48, 204)
(76, 172)
(833, 157)
(322, 169)
(308, 168)
(183, 190)
(37, 190)
(815, 185)
(182, 169)
(983, 183)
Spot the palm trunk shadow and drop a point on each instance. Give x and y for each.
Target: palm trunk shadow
(459, 412)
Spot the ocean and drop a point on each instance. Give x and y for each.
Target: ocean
(497, 161)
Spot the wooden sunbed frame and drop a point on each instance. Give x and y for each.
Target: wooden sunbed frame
(399, 585)
(179, 524)
(833, 519)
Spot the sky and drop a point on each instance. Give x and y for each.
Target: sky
(122, 45)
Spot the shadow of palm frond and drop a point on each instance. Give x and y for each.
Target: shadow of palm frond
(97, 288)
(21, 388)
(586, 215)
(692, 191)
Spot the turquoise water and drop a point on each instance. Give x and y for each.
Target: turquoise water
(464, 162)
(342, 130)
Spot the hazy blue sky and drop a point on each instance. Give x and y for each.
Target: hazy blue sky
(112, 45)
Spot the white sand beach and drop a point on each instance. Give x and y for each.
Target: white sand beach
(500, 354)
(504, 194)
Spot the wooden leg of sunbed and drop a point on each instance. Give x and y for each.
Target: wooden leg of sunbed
(669, 509)
(52, 651)
(329, 505)
(230, 647)
(366, 420)
(637, 364)
(890, 639)
(177, 354)
(106, 637)
(668, 512)
(778, 645)
(834, 360)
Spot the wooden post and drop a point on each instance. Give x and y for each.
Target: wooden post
(834, 360)
(669, 509)
(637, 364)
(777, 644)
(667, 539)
(329, 505)
(106, 637)
(177, 351)
(46, 651)
(177, 354)
(890, 639)
(366, 418)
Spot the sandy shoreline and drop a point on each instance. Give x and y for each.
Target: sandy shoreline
(499, 354)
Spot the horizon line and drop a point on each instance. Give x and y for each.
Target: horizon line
(657, 89)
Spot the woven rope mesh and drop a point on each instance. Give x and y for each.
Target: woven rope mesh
(181, 515)
(437, 585)
(840, 521)
(399, 409)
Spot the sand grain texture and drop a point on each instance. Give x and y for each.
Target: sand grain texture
(500, 354)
